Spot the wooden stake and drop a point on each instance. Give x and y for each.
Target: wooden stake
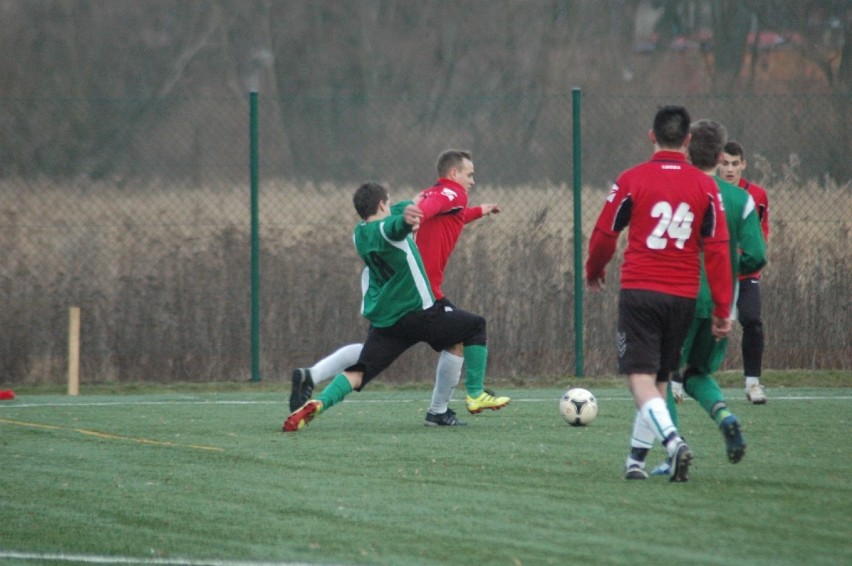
(74, 351)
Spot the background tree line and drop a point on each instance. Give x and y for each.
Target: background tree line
(162, 55)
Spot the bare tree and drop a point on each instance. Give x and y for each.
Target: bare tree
(125, 66)
(731, 25)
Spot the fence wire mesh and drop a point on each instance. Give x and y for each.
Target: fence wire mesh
(138, 212)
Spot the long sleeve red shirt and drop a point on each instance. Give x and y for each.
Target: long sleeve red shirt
(445, 213)
(674, 212)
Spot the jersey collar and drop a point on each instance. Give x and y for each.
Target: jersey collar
(444, 182)
(668, 155)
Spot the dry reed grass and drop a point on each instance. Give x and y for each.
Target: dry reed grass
(162, 274)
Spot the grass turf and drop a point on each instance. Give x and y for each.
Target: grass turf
(202, 476)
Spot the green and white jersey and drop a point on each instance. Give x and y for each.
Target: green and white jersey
(394, 282)
(748, 247)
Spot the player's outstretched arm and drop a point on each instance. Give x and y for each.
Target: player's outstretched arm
(412, 215)
(489, 208)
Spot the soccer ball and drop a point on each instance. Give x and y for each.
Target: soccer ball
(578, 406)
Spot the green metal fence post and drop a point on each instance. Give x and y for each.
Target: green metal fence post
(578, 239)
(255, 239)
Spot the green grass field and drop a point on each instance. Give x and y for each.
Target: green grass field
(205, 477)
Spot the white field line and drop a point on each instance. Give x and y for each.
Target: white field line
(120, 402)
(94, 559)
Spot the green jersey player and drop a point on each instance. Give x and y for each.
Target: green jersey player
(398, 301)
(702, 353)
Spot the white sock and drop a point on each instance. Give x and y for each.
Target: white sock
(657, 417)
(447, 376)
(749, 381)
(335, 362)
(642, 437)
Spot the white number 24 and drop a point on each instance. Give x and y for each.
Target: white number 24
(677, 226)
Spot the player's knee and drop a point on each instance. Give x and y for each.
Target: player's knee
(355, 378)
(688, 373)
(478, 334)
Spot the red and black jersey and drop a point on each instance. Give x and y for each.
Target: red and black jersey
(445, 213)
(674, 212)
(761, 203)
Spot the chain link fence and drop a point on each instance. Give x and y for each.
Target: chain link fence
(138, 212)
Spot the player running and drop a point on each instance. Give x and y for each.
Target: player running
(673, 211)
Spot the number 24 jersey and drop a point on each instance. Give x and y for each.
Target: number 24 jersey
(673, 211)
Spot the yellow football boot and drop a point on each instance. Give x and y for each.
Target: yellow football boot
(485, 401)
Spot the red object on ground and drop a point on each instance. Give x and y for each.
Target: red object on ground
(6, 394)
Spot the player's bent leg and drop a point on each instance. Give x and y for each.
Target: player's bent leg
(305, 379)
(342, 385)
(454, 326)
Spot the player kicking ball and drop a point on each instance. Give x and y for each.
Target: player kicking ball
(398, 301)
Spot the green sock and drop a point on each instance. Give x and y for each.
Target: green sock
(705, 390)
(475, 360)
(670, 403)
(721, 413)
(335, 392)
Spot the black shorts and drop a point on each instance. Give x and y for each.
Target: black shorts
(440, 326)
(651, 329)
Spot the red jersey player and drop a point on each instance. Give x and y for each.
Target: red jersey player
(731, 167)
(445, 203)
(674, 212)
(445, 213)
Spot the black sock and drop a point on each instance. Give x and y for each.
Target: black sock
(638, 454)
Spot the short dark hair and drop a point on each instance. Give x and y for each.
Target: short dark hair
(452, 158)
(734, 148)
(671, 126)
(708, 139)
(367, 198)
